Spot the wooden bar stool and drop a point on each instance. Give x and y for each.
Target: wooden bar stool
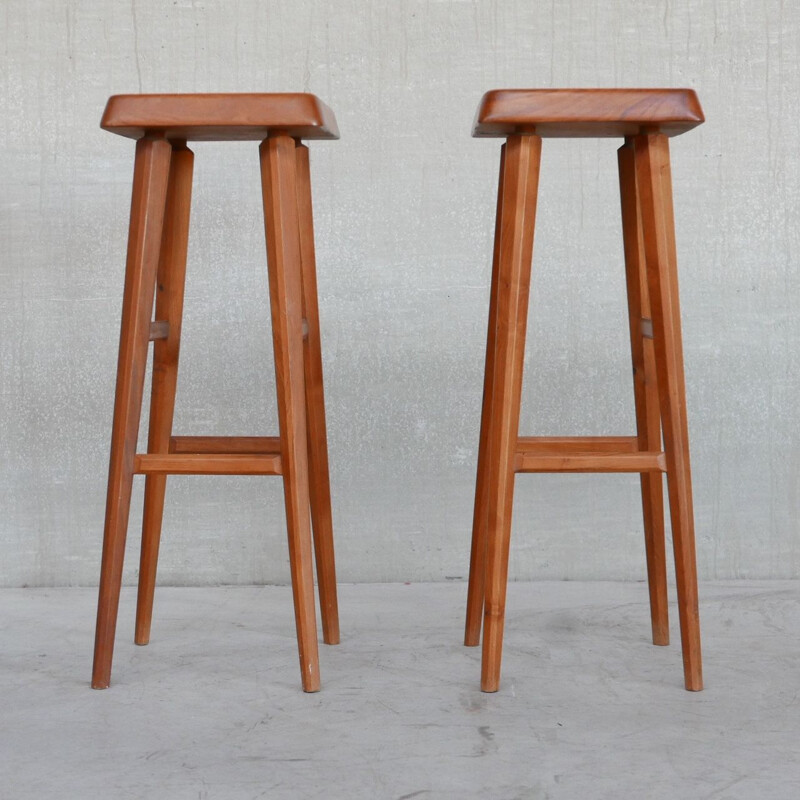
(645, 118)
(156, 264)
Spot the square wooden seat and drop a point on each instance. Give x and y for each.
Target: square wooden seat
(587, 112)
(219, 117)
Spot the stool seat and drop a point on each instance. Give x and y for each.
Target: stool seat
(219, 117)
(587, 112)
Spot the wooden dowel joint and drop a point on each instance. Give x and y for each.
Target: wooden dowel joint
(159, 329)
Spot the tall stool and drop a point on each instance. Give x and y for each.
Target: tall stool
(156, 265)
(645, 118)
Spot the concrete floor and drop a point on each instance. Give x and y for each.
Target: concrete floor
(587, 708)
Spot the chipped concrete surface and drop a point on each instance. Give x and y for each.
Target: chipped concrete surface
(404, 209)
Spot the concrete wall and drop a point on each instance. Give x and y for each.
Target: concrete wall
(404, 215)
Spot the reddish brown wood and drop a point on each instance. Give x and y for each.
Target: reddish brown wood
(169, 309)
(562, 445)
(159, 464)
(520, 184)
(318, 470)
(645, 390)
(219, 117)
(279, 181)
(646, 118)
(254, 445)
(162, 123)
(159, 330)
(585, 454)
(655, 196)
(150, 178)
(587, 112)
(480, 519)
(585, 462)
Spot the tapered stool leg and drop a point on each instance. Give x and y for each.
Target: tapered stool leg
(169, 309)
(318, 471)
(151, 173)
(279, 182)
(655, 196)
(518, 214)
(645, 388)
(480, 518)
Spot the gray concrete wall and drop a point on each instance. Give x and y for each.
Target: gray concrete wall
(404, 214)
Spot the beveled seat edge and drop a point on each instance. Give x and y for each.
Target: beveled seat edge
(587, 112)
(219, 117)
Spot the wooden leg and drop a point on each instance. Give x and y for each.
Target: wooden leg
(645, 389)
(480, 517)
(169, 308)
(655, 196)
(279, 185)
(520, 184)
(319, 479)
(150, 179)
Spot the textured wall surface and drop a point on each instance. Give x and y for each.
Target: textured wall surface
(404, 208)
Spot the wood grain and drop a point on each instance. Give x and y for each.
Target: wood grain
(169, 309)
(318, 469)
(162, 464)
(645, 392)
(586, 462)
(253, 445)
(279, 183)
(219, 117)
(651, 155)
(150, 178)
(520, 185)
(542, 445)
(587, 112)
(480, 519)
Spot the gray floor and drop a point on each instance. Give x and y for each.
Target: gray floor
(587, 708)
